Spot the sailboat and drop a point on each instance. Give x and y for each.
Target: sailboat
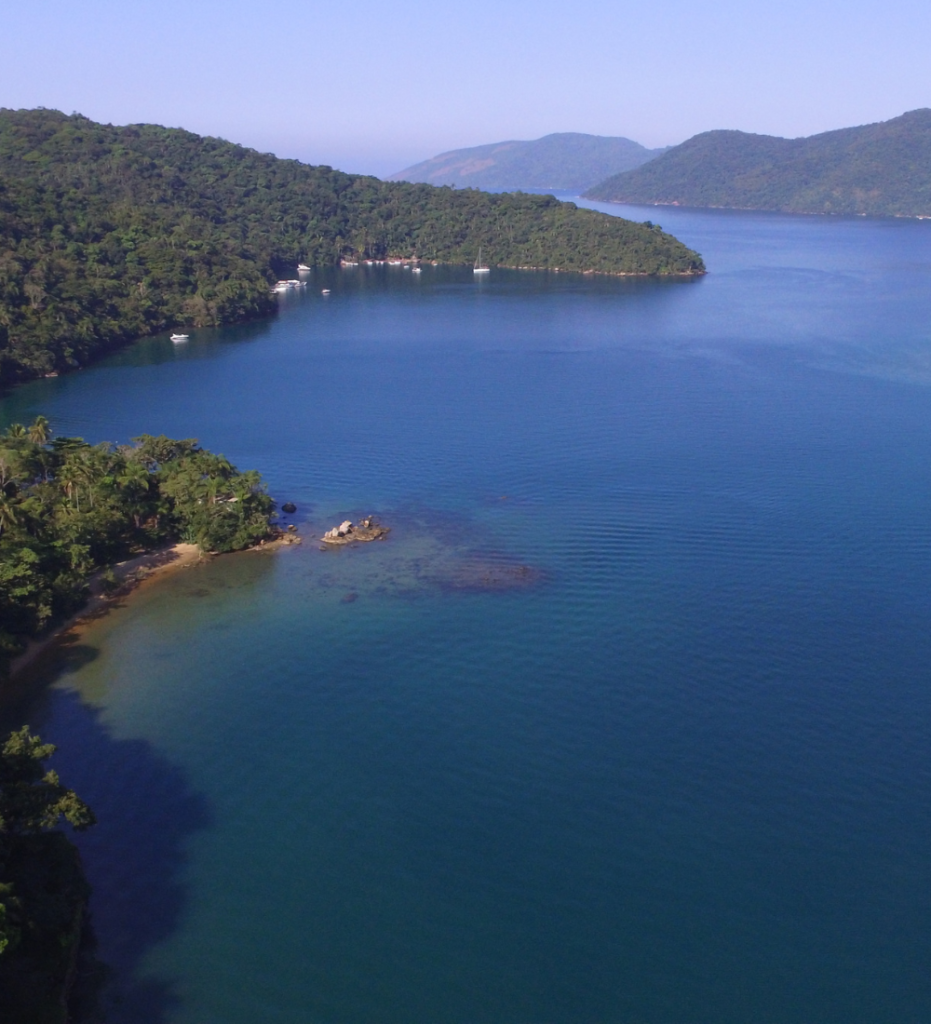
(479, 267)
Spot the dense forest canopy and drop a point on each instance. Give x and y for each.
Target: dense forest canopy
(565, 160)
(108, 233)
(69, 509)
(879, 169)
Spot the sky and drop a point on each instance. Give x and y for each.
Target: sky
(373, 87)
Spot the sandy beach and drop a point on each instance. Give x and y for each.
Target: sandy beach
(130, 575)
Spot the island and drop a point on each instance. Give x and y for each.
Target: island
(109, 233)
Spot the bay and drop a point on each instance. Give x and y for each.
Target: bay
(629, 718)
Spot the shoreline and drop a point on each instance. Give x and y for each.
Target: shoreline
(112, 348)
(130, 575)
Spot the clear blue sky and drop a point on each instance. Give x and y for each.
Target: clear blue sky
(374, 86)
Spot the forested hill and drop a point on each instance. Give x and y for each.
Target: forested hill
(879, 169)
(566, 160)
(108, 233)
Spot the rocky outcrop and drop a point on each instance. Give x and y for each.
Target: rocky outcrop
(348, 532)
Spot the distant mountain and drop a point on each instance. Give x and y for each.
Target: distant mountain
(881, 169)
(566, 160)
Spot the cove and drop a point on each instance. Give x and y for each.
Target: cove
(676, 771)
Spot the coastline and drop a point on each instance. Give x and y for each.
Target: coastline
(130, 576)
(128, 341)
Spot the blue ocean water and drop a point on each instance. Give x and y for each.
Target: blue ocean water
(628, 720)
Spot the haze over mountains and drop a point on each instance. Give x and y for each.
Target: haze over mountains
(565, 160)
(881, 169)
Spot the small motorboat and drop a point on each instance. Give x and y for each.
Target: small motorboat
(326, 291)
(415, 270)
(179, 337)
(303, 268)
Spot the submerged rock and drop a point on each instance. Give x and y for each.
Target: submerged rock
(289, 507)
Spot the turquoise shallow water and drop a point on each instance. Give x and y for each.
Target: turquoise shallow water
(627, 721)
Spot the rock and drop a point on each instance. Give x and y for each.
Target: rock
(289, 507)
(292, 528)
(349, 533)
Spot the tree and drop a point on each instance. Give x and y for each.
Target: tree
(32, 800)
(40, 431)
(7, 512)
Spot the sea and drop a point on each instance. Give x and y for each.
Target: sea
(627, 721)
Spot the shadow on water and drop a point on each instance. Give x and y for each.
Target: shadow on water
(135, 856)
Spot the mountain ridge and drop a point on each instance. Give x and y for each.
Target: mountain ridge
(878, 169)
(562, 160)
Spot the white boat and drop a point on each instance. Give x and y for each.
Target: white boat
(179, 337)
(479, 267)
(303, 268)
(326, 291)
(415, 270)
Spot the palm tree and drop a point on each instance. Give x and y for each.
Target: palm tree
(69, 477)
(134, 482)
(7, 512)
(40, 431)
(16, 430)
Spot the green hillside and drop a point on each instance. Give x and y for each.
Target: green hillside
(879, 169)
(567, 160)
(108, 233)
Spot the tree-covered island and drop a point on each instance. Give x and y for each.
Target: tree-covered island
(69, 510)
(110, 233)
